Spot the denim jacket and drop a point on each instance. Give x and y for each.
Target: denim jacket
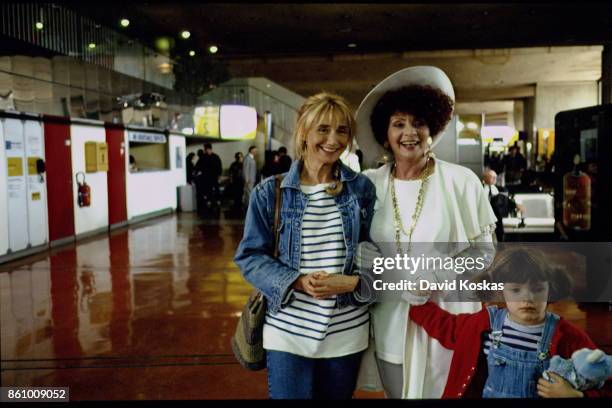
(274, 276)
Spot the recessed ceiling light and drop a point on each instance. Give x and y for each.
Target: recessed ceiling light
(39, 25)
(192, 53)
(124, 22)
(92, 46)
(352, 45)
(213, 49)
(185, 34)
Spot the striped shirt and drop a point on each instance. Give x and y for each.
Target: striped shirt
(517, 336)
(316, 328)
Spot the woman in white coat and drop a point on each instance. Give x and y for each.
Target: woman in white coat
(419, 199)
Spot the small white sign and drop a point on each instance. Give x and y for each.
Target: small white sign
(145, 137)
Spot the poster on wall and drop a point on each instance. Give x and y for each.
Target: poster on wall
(206, 121)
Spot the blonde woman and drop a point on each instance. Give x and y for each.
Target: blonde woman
(316, 326)
(420, 200)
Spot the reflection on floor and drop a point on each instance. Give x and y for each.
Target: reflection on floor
(146, 313)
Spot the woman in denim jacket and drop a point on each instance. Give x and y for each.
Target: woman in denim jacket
(317, 324)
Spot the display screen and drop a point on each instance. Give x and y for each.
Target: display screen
(238, 122)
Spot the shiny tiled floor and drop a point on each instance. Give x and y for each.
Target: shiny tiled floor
(146, 313)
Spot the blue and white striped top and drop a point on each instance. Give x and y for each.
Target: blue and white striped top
(517, 336)
(310, 327)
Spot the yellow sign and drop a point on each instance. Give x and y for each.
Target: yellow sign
(15, 166)
(35, 196)
(32, 171)
(96, 157)
(206, 121)
(91, 157)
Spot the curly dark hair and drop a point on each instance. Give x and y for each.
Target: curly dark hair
(426, 103)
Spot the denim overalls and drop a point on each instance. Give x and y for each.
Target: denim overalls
(515, 373)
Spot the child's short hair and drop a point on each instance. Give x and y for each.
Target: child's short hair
(523, 265)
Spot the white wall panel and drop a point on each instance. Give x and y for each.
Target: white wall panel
(38, 226)
(4, 237)
(90, 218)
(16, 186)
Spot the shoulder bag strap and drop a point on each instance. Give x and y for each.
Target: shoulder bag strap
(277, 212)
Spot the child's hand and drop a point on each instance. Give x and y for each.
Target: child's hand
(560, 388)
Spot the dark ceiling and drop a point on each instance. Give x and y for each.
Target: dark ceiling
(274, 30)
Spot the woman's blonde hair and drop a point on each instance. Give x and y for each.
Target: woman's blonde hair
(314, 110)
(311, 113)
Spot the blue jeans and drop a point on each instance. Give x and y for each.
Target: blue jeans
(295, 377)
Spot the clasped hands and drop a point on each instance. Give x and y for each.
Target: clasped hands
(322, 285)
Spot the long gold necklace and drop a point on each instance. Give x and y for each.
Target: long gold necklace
(399, 227)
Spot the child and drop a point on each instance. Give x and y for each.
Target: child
(502, 352)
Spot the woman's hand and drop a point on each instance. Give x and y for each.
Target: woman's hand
(322, 285)
(560, 388)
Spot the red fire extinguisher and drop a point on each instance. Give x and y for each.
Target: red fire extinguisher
(84, 191)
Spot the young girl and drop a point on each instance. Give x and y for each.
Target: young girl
(502, 352)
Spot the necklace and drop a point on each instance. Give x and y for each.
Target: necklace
(399, 227)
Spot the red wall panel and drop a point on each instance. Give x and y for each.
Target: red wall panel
(59, 180)
(117, 200)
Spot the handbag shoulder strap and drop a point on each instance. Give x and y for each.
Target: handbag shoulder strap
(277, 211)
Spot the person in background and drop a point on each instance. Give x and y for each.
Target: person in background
(501, 203)
(496, 164)
(249, 172)
(284, 161)
(236, 184)
(210, 168)
(189, 168)
(270, 166)
(198, 178)
(133, 166)
(514, 165)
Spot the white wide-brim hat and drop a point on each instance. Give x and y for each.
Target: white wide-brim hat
(420, 75)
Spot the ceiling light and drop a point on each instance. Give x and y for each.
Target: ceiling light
(124, 22)
(352, 45)
(472, 125)
(92, 46)
(165, 68)
(185, 34)
(39, 25)
(192, 53)
(213, 49)
(163, 44)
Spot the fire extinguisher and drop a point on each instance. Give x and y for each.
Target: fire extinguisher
(84, 191)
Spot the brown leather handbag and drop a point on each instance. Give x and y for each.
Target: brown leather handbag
(247, 342)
